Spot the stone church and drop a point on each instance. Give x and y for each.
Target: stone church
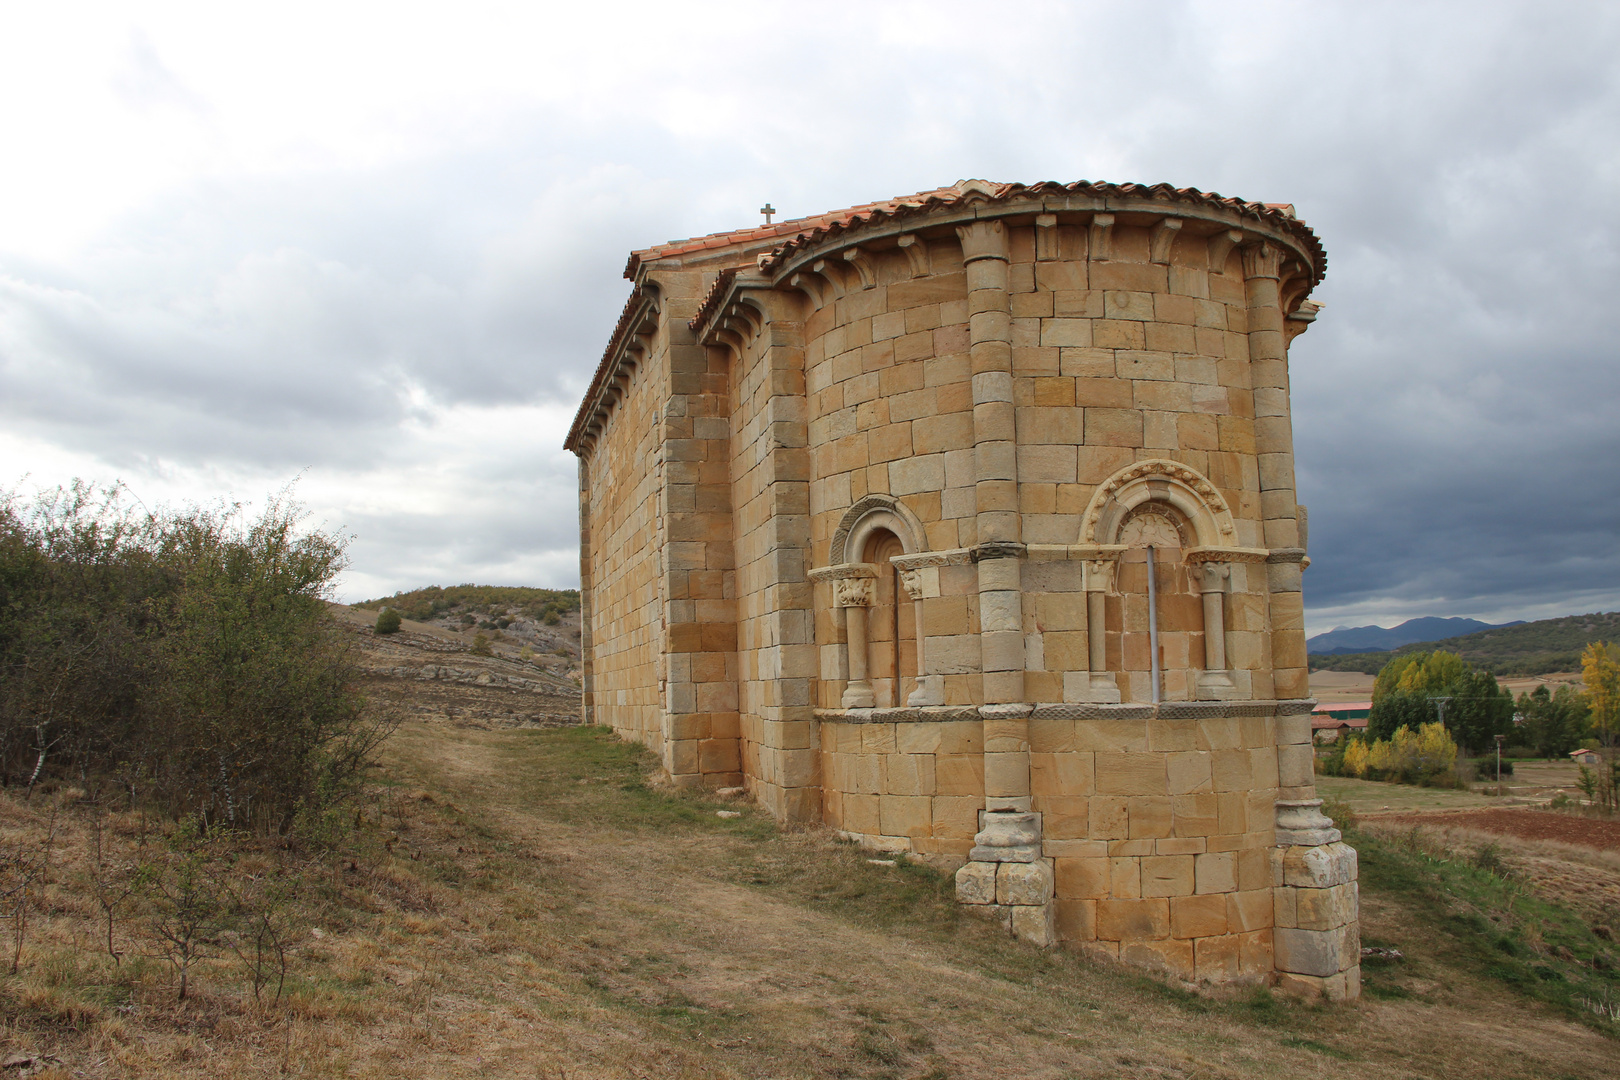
(965, 524)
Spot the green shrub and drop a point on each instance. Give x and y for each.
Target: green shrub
(388, 622)
(480, 645)
(184, 656)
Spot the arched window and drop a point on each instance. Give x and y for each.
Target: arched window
(891, 624)
(1161, 620)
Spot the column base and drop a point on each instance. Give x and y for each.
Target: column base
(1218, 686)
(930, 691)
(1091, 688)
(858, 695)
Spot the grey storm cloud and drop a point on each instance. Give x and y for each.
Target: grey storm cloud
(377, 325)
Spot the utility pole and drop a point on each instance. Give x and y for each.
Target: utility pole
(1440, 703)
(1499, 740)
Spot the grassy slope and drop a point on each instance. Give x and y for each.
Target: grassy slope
(522, 902)
(1534, 648)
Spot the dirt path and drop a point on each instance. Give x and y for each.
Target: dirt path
(765, 985)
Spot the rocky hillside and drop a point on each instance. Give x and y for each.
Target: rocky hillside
(428, 672)
(545, 621)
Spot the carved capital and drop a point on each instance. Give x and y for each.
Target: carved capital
(912, 582)
(1261, 260)
(983, 240)
(852, 592)
(1098, 575)
(1213, 576)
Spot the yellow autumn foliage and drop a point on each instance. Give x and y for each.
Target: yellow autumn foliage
(1409, 756)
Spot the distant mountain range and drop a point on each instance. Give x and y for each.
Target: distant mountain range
(1516, 648)
(1360, 639)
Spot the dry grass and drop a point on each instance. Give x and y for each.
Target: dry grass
(522, 902)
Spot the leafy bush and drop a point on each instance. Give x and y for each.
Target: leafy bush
(184, 656)
(480, 645)
(1485, 768)
(388, 622)
(1426, 756)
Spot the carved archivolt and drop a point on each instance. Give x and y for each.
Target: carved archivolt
(1158, 480)
(867, 516)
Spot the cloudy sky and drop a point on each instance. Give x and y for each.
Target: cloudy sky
(377, 248)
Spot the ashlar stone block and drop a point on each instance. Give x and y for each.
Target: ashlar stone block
(1025, 883)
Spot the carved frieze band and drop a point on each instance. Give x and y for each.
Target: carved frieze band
(1227, 555)
(1286, 555)
(925, 559)
(1169, 710)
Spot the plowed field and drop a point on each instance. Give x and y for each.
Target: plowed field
(1525, 824)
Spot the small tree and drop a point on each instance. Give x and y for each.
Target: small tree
(1600, 670)
(388, 621)
(480, 645)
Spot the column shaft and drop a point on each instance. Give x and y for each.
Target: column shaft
(1274, 447)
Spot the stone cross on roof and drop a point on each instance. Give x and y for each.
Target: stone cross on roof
(767, 210)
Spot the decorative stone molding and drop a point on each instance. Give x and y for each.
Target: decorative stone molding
(1226, 555)
(1013, 710)
(1198, 710)
(1163, 238)
(1296, 706)
(1099, 711)
(1183, 486)
(871, 512)
(922, 559)
(1074, 552)
(906, 715)
(842, 571)
(1286, 555)
(915, 249)
(997, 549)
